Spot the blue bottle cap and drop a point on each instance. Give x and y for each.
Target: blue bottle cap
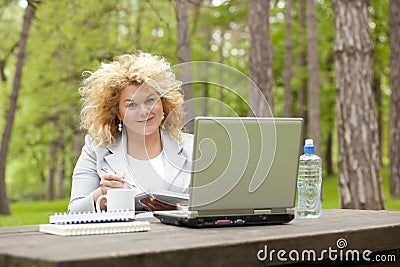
(309, 146)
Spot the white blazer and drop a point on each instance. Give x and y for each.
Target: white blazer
(86, 175)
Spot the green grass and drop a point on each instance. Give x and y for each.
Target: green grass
(27, 213)
(332, 199)
(391, 203)
(330, 191)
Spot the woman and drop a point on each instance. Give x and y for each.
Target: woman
(132, 111)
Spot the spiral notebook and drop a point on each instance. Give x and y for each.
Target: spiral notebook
(92, 217)
(94, 228)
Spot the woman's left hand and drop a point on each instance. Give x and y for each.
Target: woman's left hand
(154, 204)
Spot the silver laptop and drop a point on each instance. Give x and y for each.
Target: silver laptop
(244, 172)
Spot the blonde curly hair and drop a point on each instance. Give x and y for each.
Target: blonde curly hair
(101, 90)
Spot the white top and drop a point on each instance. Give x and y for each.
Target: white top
(154, 180)
(158, 164)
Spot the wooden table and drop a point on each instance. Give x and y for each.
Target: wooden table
(348, 232)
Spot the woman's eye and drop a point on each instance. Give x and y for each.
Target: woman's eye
(150, 100)
(132, 105)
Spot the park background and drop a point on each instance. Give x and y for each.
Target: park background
(287, 47)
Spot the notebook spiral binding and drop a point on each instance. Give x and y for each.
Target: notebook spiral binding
(92, 217)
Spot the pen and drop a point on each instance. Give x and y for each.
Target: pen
(105, 170)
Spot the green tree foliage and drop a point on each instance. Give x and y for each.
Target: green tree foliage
(70, 37)
(10, 26)
(379, 29)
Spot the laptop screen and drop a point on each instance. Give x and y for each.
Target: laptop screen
(244, 164)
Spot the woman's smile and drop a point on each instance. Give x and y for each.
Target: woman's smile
(146, 121)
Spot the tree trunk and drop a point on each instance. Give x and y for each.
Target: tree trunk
(138, 28)
(61, 167)
(288, 72)
(360, 180)
(221, 60)
(197, 10)
(204, 96)
(52, 169)
(302, 57)
(184, 55)
(3, 61)
(328, 155)
(3, 77)
(53, 159)
(60, 179)
(314, 117)
(378, 103)
(260, 60)
(394, 135)
(29, 13)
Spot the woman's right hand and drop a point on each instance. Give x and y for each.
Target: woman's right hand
(108, 181)
(111, 181)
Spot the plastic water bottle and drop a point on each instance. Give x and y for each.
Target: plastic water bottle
(309, 183)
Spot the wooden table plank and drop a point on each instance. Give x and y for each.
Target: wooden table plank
(177, 246)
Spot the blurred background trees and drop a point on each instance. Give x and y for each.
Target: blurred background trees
(295, 62)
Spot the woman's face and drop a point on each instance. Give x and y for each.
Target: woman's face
(140, 109)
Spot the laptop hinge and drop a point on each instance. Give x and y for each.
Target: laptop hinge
(192, 214)
(268, 211)
(290, 211)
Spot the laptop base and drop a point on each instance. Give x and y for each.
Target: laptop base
(224, 221)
